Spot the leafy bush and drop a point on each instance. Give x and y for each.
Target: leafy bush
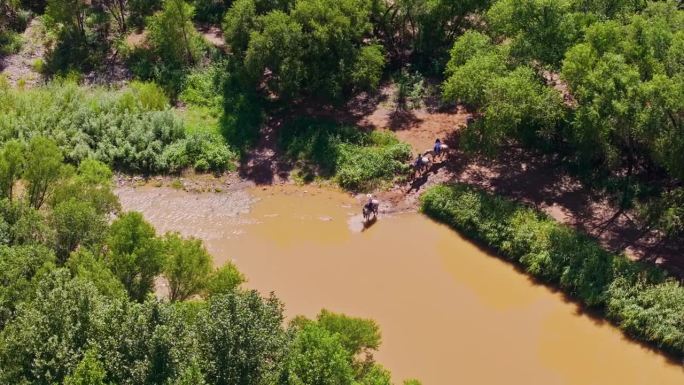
(636, 297)
(203, 87)
(131, 130)
(38, 65)
(10, 42)
(203, 151)
(357, 160)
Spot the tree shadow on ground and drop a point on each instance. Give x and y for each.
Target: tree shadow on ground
(543, 181)
(401, 119)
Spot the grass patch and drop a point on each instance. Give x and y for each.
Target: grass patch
(176, 184)
(356, 160)
(38, 65)
(639, 298)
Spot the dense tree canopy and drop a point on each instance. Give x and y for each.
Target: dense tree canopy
(315, 49)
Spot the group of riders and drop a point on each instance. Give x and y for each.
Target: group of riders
(423, 160)
(418, 166)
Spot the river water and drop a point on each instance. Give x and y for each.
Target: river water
(450, 312)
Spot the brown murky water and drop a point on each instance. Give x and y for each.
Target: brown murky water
(450, 313)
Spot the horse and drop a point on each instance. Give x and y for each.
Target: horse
(443, 152)
(370, 208)
(421, 164)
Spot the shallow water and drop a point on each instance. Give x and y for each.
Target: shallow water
(450, 313)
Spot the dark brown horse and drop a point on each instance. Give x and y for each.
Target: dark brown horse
(370, 208)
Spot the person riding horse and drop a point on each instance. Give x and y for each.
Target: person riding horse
(438, 147)
(421, 163)
(439, 150)
(371, 207)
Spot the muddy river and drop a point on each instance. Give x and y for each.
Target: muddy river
(450, 313)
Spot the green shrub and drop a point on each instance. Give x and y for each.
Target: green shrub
(131, 130)
(150, 96)
(203, 151)
(39, 65)
(10, 42)
(636, 297)
(358, 160)
(203, 88)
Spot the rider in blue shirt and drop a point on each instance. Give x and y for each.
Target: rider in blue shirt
(438, 146)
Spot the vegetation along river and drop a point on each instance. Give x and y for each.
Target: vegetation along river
(450, 312)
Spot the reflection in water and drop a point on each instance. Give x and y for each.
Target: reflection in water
(450, 313)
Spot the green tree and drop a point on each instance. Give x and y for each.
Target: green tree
(368, 67)
(423, 30)
(540, 29)
(192, 375)
(376, 375)
(48, 336)
(146, 343)
(85, 265)
(27, 225)
(317, 356)
(468, 82)
(316, 50)
(12, 163)
(609, 8)
(242, 338)
(76, 224)
(43, 169)
(92, 184)
(135, 254)
(88, 372)
(173, 35)
(71, 13)
(277, 45)
(118, 11)
(239, 22)
(187, 266)
(18, 267)
(519, 107)
(355, 334)
(224, 280)
(412, 382)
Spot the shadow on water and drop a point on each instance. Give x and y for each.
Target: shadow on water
(367, 224)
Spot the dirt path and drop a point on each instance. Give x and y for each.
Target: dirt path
(19, 68)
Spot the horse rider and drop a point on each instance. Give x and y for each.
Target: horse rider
(372, 202)
(438, 147)
(418, 162)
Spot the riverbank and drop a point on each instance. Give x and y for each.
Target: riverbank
(638, 298)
